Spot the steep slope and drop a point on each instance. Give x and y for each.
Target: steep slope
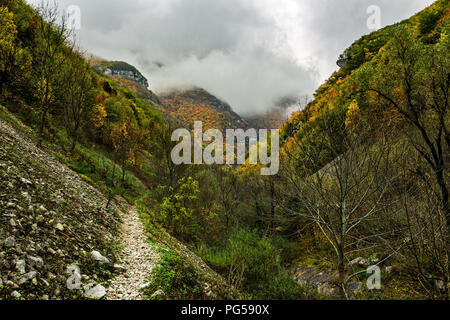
(199, 105)
(50, 219)
(339, 97)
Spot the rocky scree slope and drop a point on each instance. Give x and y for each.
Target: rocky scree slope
(49, 219)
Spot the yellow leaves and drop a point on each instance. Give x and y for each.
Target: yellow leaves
(352, 115)
(44, 89)
(8, 29)
(399, 95)
(98, 115)
(8, 34)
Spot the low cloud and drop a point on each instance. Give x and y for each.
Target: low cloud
(250, 53)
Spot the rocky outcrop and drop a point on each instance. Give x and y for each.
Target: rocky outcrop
(322, 281)
(132, 75)
(121, 69)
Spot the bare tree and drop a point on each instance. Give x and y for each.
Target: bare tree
(229, 193)
(344, 195)
(53, 36)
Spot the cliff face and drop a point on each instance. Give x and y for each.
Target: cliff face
(122, 69)
(136, 76)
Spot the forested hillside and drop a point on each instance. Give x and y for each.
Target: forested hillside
(198, 105)
(370, 153)
(363, 180)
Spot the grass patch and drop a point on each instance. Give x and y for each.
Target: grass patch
(177, 278)
(253, 264)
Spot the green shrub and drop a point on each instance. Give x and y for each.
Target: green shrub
(289, 251)
(252, 263)
(176, 278)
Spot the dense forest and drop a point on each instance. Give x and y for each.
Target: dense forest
(364, 177)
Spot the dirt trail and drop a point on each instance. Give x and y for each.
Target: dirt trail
(138, 258)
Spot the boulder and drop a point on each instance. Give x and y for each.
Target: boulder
(97, 256)
(30, 275)
(439, 284)
(26, 182)
(119, 268)
(59, 226)
(144, 286)
(96, 293)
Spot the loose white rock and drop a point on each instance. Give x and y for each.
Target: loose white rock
(30, 275)
(96, 293)
(10, 242)
(20, 266)
(36, 262)
(59, 227)
(139, 258)
(119, 268)
(158, 294)
(97, 256)
(26, 182)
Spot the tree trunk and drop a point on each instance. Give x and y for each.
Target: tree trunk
(123, 170)
(444, 195)
(41, 127)
(74, 143)
(341, 270)
(2, 82)
(110, 197)
(446, 211)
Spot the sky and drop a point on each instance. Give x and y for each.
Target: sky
(249, 53)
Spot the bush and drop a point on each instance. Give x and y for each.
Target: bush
(289, 251)
(176, 278)
(252, 263)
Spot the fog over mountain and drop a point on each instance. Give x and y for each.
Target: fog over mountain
(250, 53)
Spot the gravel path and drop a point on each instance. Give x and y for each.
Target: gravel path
(139, 258)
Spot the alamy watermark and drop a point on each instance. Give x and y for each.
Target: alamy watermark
(73, 15)
(374, 20)
(374, 280)
(236, 142)
(74, 280)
